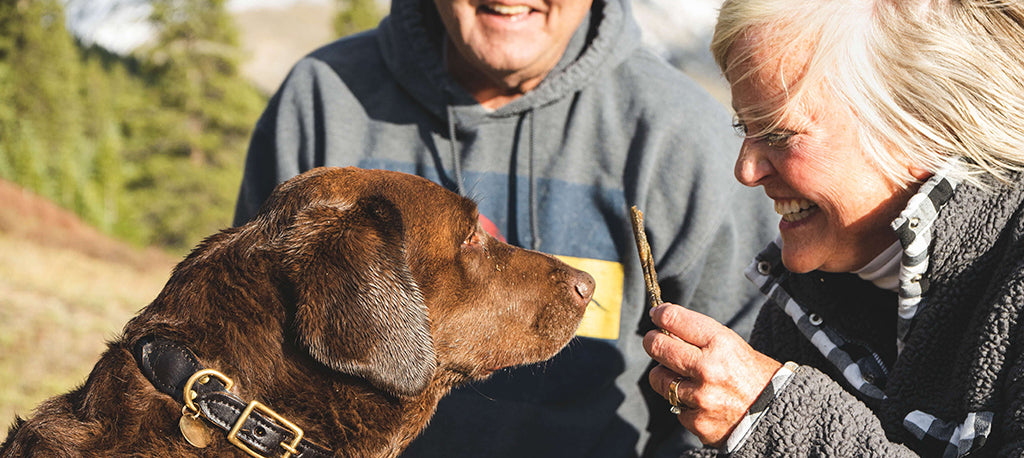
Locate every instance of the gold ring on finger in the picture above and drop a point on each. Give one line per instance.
(673, 395)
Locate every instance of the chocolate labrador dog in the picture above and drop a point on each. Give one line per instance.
(330, 325)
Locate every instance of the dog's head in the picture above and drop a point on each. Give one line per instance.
(395, 281)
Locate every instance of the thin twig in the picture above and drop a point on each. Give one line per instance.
(646, 259)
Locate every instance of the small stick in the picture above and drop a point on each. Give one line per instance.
(646, 259)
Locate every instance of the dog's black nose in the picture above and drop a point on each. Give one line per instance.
(584, 285)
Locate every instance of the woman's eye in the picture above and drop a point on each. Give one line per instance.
(739, 127)
(778, 139)
(774, 139)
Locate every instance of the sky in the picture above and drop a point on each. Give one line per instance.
(120, 25)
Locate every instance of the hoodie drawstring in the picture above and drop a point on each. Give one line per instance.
(454, 151)
(535, 240)
(534, 220)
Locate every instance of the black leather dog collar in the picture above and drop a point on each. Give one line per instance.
(252, 426)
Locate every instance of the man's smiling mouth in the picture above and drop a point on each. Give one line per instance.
(506, 10)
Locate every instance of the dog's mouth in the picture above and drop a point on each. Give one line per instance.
(487, 373)
(466, 374)
(496, 365)
(497, 368)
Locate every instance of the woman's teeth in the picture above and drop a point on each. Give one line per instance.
(794, 209)
(508, 10)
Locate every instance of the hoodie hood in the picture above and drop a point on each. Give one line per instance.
(411, 39)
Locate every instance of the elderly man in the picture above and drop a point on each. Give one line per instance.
(554, 118)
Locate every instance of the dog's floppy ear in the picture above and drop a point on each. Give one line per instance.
(358, 307)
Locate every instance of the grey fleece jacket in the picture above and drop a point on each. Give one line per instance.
(956, 388)
(556, 170)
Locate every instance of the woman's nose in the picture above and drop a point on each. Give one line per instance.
(752, 165)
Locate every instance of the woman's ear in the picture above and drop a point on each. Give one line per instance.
(919, 173)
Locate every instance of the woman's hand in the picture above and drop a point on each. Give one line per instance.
(721, 374)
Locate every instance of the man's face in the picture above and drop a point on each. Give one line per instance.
(512, 43)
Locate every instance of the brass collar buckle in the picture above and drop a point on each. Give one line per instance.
(203, 377)
(209, 405)
(256, 405)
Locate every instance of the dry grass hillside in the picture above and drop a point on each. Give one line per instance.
(65, 289)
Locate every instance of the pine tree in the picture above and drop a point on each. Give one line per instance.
(197, 55)
(22, 143)
(8, 115)
(148, 146)
(102, 195)
(355, 16)
(195, 61)
(42, 76)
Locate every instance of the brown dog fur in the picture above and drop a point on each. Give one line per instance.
(289, 306)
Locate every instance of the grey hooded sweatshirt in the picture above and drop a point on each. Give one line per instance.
(556, 170)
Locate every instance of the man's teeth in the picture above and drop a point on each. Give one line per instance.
(794, 209)
(509, 10)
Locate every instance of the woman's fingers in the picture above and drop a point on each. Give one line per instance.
(710, 372)
(665, 381)
(696, 328)
(679, 355)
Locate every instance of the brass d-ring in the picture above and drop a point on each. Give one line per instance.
(203, 377)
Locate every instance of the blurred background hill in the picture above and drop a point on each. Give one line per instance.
(275, 33)
(123, 129)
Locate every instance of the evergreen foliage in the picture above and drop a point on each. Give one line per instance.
(355, 16)
(148, 148)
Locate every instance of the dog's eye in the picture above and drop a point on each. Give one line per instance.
(475, 238)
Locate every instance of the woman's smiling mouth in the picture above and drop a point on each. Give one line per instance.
(793, 210)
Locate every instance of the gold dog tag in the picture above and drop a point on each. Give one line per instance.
(195, 431)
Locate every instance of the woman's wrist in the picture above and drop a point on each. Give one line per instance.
(757, 410)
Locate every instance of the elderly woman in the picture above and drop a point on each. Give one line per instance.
(890, 134)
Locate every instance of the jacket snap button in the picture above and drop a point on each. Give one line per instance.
(814, 319)
(764, 267)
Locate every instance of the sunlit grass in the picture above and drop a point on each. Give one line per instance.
(58, 308)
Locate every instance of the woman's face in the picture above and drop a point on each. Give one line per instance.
(835, 205)
(512, 41)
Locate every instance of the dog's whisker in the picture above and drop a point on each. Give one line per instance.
(474, 387)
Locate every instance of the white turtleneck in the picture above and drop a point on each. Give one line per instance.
(884, 270)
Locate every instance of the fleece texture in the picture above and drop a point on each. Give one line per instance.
(957, 385)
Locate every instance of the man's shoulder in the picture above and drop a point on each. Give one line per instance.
(351, 65)
(658, 87)
(646, 68)
(358, 52)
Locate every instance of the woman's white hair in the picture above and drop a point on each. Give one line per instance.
(938, 84)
